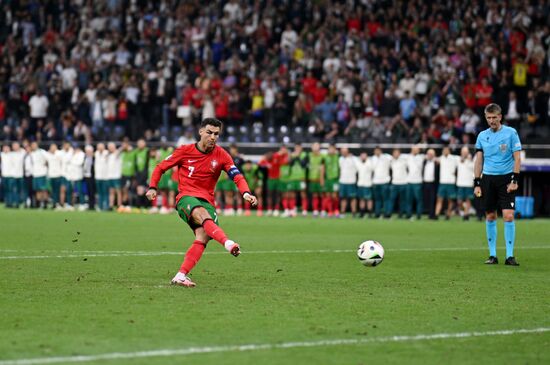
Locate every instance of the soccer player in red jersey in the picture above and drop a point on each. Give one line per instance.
(273, 161)
(199, 167)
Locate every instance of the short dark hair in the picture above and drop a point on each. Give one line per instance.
(493, 108)
(211, 121)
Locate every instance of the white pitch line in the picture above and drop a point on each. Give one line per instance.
(266, 346)
(81, 254)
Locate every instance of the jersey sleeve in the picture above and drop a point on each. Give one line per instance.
(515, 142)
(478, 143)
(233, 172)
(166, 164)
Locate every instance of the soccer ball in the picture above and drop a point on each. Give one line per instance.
(370, 253)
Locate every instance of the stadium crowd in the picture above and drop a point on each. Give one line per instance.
(417, 71)
(286, 182)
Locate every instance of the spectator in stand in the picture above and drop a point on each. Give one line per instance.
(38, 106)
(512, 111)
(470, 122)
(484, 95)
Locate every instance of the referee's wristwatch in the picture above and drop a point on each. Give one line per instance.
(514, 177)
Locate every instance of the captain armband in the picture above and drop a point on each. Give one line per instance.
(233, 171)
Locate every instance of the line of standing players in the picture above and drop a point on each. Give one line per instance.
(331, 183)
(287, 182)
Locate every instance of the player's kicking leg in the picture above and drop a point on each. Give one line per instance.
(194, 254)
(201, 216)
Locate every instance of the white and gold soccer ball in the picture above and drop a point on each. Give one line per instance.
(370, 253)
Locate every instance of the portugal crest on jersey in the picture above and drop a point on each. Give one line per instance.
(213, 165)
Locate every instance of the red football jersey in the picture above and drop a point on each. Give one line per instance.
(274, 165)
(198, 172)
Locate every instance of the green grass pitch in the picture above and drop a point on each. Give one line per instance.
(95, 285)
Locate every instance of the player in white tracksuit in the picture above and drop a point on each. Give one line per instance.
(365, 170)
(75, 176)
(465, 182)
(100, 174)
(415, 164)
(381, 181)
(54, 157)
(398, 188)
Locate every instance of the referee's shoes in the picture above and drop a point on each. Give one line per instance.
(492, 260)
(511, 261)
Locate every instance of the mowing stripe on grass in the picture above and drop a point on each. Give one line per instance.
(266, 346)
(80, 254)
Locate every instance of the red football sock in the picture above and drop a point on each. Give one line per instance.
(164, 200)
(214, 231)
(335, 204)
(284, 202)
(192, 256)
(292, 203)
(154, 202)
(260, 207)
(327, 203)
(246, 205)
(315, 203)
(304, 205)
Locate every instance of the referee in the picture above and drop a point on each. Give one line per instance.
(496, 173)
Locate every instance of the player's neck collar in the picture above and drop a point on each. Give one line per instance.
(201, 151)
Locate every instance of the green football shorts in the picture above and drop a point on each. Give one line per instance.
(186, 205)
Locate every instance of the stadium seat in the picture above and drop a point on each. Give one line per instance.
(176, 132)
(163, 131)
(118, 132)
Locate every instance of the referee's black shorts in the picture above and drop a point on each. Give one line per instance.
(494, 194)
